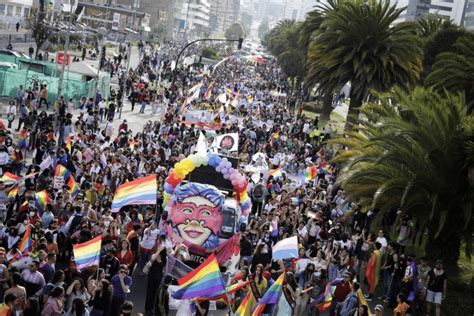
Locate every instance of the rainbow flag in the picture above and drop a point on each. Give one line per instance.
(87, 254)
(68, 143)
(14, 191)
(42, 199)
(26, 244)
(138, 192)
(208, 93)
(243, 306)
(10, 178)
(323, 302)
(61, 171)
(204, 281)
(73, 187)
(276, 173)
(229, 290)
(4, 310)
(271, 296)
(23, 139)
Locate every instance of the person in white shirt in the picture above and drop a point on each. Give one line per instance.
(382, 240)
(147, 244)
(11, 113)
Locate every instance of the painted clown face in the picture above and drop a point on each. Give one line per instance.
(196, 218)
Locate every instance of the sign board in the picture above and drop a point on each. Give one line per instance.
(227, 142)
(115, 21)
(58, 182)
(61, 58)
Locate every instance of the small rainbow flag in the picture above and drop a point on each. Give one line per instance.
(138, 192)
(26, 244)
(42, 199)
(229, 290)
(271, 296)
(206, 280)
(61, 171)
(276, 173)
(208, 93)
(68, 143)
(14, 191)
(87, 254)
(23, 139)
(243, 306)
(4, 310)
(10, 178)
(73, 187)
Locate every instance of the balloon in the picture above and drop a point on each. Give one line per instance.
(226, 176)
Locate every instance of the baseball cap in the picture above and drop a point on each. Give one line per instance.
(379, 308)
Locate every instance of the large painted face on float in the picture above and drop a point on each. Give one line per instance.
(196, 213)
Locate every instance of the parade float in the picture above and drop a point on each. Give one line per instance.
(206, 207)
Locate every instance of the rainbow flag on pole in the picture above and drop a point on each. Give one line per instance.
(138, 192)
(10, 178)
(14, 191)
(206, 280)
(68, 143)
(73, 187)
(42, 199)
(243, 306)
(61, 171)
(271, 296)
(26, 244)
(4, 310)
(276, 173)
(87, 254)
(23, 139)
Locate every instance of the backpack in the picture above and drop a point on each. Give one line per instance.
(258, 191)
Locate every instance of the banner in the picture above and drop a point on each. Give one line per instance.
(61, 58)
(227, 142)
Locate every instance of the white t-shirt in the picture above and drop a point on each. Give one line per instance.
(149, 238)
(383, 242)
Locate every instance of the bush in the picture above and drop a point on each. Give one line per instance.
(208, 52)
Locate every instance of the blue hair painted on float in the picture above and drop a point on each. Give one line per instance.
(206, 191)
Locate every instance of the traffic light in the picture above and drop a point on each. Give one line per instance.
(240, 43)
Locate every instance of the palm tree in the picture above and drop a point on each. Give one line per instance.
(454, 70)
(417, 155)
(282, 42)
(308, 30)
(429, 25)
(358, 43)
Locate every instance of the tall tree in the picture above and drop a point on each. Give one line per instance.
(410, 152)
(235, 31)
(263, 28)
(39, 30)
(359, 43)
(454, 70)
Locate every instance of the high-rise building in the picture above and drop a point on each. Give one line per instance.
(161, 13)
(417, 9)
(192, 17)
(468, 15)
(223, 14)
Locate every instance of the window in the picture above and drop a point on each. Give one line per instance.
(26, 12)
(18, 11)
(9, 10)
(2, 8)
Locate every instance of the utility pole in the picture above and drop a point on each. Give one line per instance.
(66, 48)
(125, 77)
(63, 64)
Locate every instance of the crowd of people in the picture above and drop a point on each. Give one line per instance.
(338, 240)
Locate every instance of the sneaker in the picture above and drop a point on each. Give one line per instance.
(381, 297)
(368, 297)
